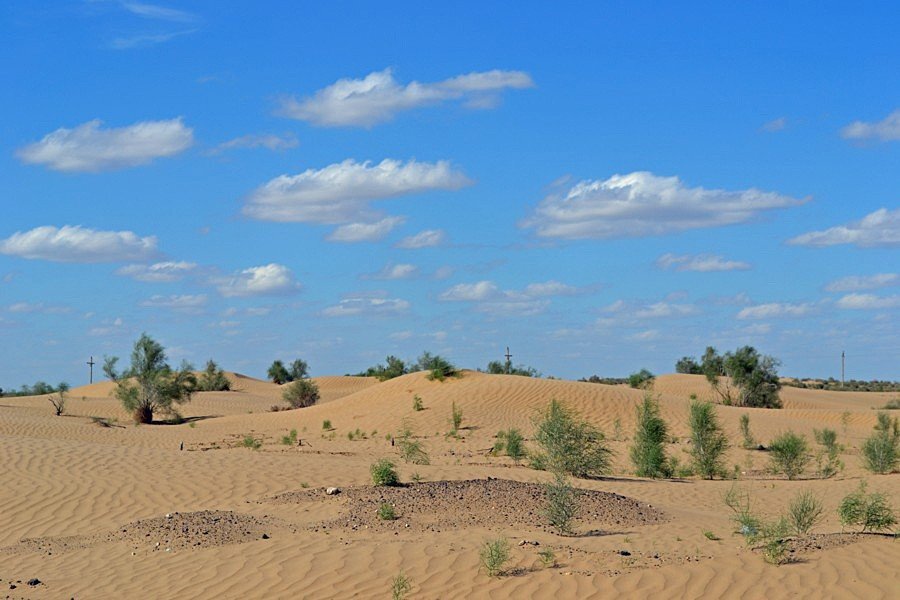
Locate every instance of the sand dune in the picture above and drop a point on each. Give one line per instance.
(70, 476)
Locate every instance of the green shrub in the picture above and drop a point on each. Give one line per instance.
(438, 367)
(386, 512)
(384, 472)
(871, 512)
(804, 512)
(494, 555)
(561, 504)
(892, 404)
(774, 536)
(648, 453)
(750, 379)
(290, 439)
(790, 454)
(748, 442)
(547, 557)
(711, 536)
(456, 418)
(643, 379)
(400, 586)
(881, 451)
(301, 393)
(393, 367)
(569, 443)
(251, 442)
(417, 403)
(511, 443)
(708, 441)
(411, 450)
(738, 501)
(326, 425)
(828, 460)
(213, 379)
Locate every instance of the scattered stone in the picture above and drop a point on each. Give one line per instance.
(332, 491)
(265, 536)
(624, 552)
(34, 581)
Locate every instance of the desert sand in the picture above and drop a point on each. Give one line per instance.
(96, 507)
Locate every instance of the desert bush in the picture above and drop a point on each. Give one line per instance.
(400, 586)
(301, 393)
(495, 367)
(438, 367)
(871, 512)
(386, 512)
(749, 442)
(411, 450)
(290, 439)
(570, 444)
(790, 454)
(213, 379)
(547, 557)
(417, 403)
(743, 377)
(326, 425)
(828, 460)
(773, 536)
(881, 451)
(59, 400)
(299, 370)
(456, 417)
(708, 441)
(804, 512)
(688, 365)
(643, 379)
(393, 367)
(648, 454)
(251, 442)
(494, 555)
(278, 373)
(384, 472)
(738, 501)
(150, 384)
(511, 443)
(892, 404)
(560, 504)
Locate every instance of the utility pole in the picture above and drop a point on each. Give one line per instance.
(91, 364)
(508, 361)
(842, 368)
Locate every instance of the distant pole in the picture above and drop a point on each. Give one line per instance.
(842, 368)
(508, 361)
(91, 364)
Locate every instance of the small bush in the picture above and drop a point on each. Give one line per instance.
(790, 454)
(290, 439)
(711, 536)
(804, 512)
(738, 501)
(510, 442)
(748, 442)
(251, 442)
(456, 417)
(643, 379)
(547, 557)
(213, 379)
(828, 461)
(494, 555)
(59, 401)
(774, 539)
(400, 586)
(384, 472)
(648, 453)
(326, 425)
(386, 512)
(412, 451)
(301, 393)
(570, 444)
(438, 367)
(561, 504)
(881, 451)
(417, 403)
(892, 404)
(871, 512)
(708, 441)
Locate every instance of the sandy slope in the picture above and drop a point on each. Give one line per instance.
(68, 476)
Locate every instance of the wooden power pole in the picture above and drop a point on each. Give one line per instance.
(91, 364)
(508, 361)
(842, 368)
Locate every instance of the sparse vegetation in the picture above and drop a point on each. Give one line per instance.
(828, 461)
(417, 403)
(881, 451)
(710, 536)
(456, 418)
(40, 388)
(561, 504)
(708, 441)
(280, 374)
(384, 473)
(871, 512)
(290, 439)
(688, 365)
(892, 404)
(851, 385)
(393, 367)
(604, 380)
(511, 443)
(494, 555)
(790, 454)
(569, 444)
(547, 557)
(438, 367)
(773, 536)
(400, 586)
(213, 379)
(411, 450)
(743, 377)
(150, 384)
(641, 380)
(59, 400)
(804, 512)
(251, 442)
(738, 501)
(648, 454)
(386, 512)
(301, 393)
(749, 441)
(495, 367)
(326, 425)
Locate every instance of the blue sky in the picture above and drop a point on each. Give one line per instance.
(601, 187)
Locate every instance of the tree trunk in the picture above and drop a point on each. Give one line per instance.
(143, 414)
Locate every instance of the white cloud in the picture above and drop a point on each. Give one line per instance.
(88, 148)
(643, 204)
(76, 244)
(700, 262)
(888, 129)
(153, 11)
(775, 125)
(161, 272)
(664, 309)
(773, 310)
(340, 193)
(350, 307)
(378, 97)
(855, 283)
(868, 301)
(39, 307)
(365, 232)
(470, 292)
(645, 336)
(268, 141)
(183, 303)
(488, 298)
(549, 288)
(880, 228)
(140, 41)
(266, 280)
(424, 239)
(393, 272)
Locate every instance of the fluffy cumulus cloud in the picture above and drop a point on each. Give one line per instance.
(428, 238)
(184, 303)
(700, 262)
(161, 272)
(267, 280)
(774, 310)
(76, 244)
(644, 204)
(275, 143)
(489, 298)
(888, 129)
(378, 97)
(855, 283)
(365, 232)
(880, 228)
(868, 301)
(92, 148)
(341, 192)
(351, 307)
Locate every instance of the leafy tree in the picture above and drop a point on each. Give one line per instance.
(569, 443)
(301, 393)
(150, 384)
(708, 441)
(743, 377)
(881, 451)
(688, 365)
(437, 366)
(495, 367)
(299, 370)
(278, 373)
(643, 379)
(109, 367)
(213, 379)
(648, 454)
(393, 367)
